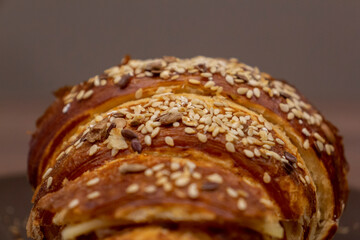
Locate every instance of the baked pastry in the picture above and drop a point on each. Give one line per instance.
(196, 148)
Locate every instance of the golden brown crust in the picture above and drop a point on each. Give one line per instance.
(63, 157)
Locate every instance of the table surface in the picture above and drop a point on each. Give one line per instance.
(15, 206)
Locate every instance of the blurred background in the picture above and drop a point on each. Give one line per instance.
(44, 45)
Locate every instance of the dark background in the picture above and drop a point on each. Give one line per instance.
(44, 45)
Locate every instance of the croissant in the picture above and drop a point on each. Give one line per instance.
(189, 149)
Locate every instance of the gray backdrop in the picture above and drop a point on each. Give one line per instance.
(47, 44)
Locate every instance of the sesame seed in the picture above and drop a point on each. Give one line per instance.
(97, 82)
(80, 95)
(165, 74)
(148, 74)
(229, 79)
(297, 113)
(279, 141)
(148, 172)
(266, 178)
(189, 130)
(163, 172)
(275, 155)
(48, 171)
(158, 167)
(174, 166)
(93, 149)
(229, 137)
(176, 175)
(248, 153)
(49, 182)
(132, 188)
(299, 164)
(60, 155)
(268, 126)
(193, 191)
(216, 178)
(174, 77)
(261, 118)
(155, 132)
(208, 120)
(218, 104)
(131, 168)
(231, 192)
(66, 108)
(320, 145)
(284, 107)
(202, 137)
(318, 137)
(73, 203)
(249, 94)
(216, 132)
(114, 151)
(176, 124)
(257, 152)
(194, 81)
(150, 189)
(242, 90)
(266, 146)
(307, 179)
(88, 94)
(161, 180)
(182, 181)
(266, 202)
(93, 195)
(167, 187)
(306, 132)
(93, 181)
(196, 175)
(147, 140)
(290, 116)
(169, 141)
(328, 149)
(306, 144)
(139, 93)
(302, 179)
(206, 74)
(116, 80)
(67, 151)
(241, 204)
(209, 84)
(191, 166)
(257, 92)
(230, 147)
(156, 104)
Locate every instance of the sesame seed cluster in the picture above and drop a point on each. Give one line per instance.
(203, 118)
(248, 82)
(178, 177)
